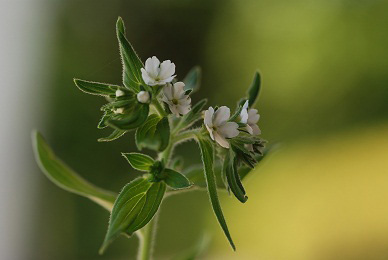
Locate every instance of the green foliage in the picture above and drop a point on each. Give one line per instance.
(96, 88)
(254, 89)
(193, 116)
(113, 136)
(140, 162)
(154, 134)
(193, 79)
(135, 206)
(60, 174)
(175, 179)
(207, 155)
(132, 64)
(233, 179)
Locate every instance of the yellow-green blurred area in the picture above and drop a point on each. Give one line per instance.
(321, 195)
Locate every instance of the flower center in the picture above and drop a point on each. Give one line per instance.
(174, 101)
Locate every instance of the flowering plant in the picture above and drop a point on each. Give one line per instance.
(153, 103)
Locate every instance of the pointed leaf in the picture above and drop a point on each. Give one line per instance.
(133, 117)
(254, 89)
(135, 206)
(113, 136)
(96, 88)
(175, 179)
(232, 177)
(139, 161)
(207, 155)
(60, 174)
(193, 79)
(132, 64)
(154, 134)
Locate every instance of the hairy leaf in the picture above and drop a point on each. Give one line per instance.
(138, 161)
(193, 79)
(254, 89)
(95, 88)
(232, 176)
(132, 64)
(190, 118)
(207, 155)
(135, 206)
(60, 174)
(113, 136)
(154, 134)
(134, 116)
(175, 179)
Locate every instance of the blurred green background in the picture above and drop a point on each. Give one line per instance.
(324, 99)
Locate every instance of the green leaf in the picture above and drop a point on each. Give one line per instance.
(95, 88)
(113, 136)
(153, 134)
(175, 179)
(193, 79)
(177, 163)
(207, 155)
(60, 174)
(135, 206)
(254, 89)
(139, 161)
(190, 118)
(134, 116)
(232, 177)
(132, 64)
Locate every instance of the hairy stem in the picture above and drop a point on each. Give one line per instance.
(159, 108)
(146, 240)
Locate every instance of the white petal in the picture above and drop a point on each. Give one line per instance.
(185, 101)
(209, 118)
(229, 130)
(179, 90)
(152, 67)
(167, 69)
(146, 78)
(168, 80)
(249, 129)
(244, 113)
(210, 132)
(220, 140)
(173, 109)
(253, 116)
(255, 130)
(168, 92)
(183, 109)
(221, 115)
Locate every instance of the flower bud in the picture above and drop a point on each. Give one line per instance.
(119, 111)
(143, 97)
(119, 93)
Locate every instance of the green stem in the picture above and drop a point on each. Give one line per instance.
(146, 240)
(159, 108)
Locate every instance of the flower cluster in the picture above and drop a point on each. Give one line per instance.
(156, 73)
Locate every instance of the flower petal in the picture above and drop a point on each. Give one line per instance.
(229, 130)
(167, 69)
(208, 120)
(221, 115)
(146, 77)
(152, 67)
(183, 109)
(249, 129)
(168, 91)
(253, 116)
(221, 140)
(255, 129)
(179, 90)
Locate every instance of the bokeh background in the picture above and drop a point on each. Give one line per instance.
(322, 195)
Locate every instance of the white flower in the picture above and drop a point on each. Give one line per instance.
(143, 97)
(244, 113)
(218, 126)
(174, 96)
(119, 93)
(251, 121)
(156, 73)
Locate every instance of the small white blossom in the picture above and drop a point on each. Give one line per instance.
(250, 117)
(174, 96)
(119, 111)
(143, 97)
(156, 73)
(218, 126)
(119, 93)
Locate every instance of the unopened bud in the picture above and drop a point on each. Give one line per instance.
(119, 93)
(143, 97)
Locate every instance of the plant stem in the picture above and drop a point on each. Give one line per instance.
(146, 240)
(159, 108)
